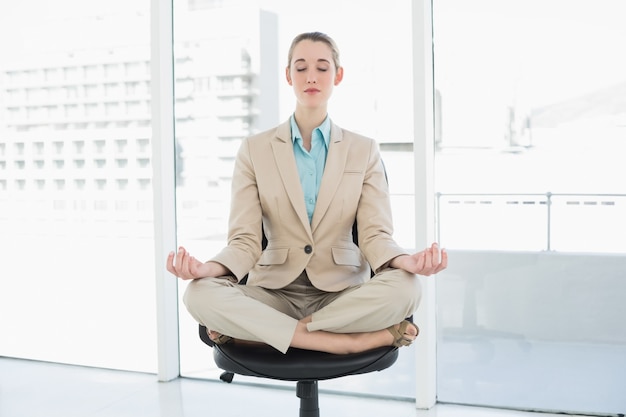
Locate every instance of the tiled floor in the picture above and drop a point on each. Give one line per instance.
(36, 389)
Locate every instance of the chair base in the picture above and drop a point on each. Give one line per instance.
(308, 394)
(227, 377)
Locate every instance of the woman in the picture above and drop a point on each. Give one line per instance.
(303, 185)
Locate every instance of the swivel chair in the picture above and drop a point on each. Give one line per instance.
(306, 367)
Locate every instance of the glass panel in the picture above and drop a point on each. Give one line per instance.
(532, 331)
(524, 111)
(230, 60)
(77, 240)
(530, 117)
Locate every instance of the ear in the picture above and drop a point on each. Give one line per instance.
(288, 76)
(339, 75)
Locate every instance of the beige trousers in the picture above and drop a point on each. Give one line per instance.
(270, 316)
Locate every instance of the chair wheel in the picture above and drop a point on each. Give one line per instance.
(227, 377)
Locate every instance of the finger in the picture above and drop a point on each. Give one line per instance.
(169, 263)
(181, 263)
(436, 254)
(179, 258)
(184, 266)
(428, 260)
(421, 261)
(444, 261)
(193, 266)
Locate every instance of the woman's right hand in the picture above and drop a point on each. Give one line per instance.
(185, 266)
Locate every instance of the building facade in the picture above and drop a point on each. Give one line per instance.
(75, 125)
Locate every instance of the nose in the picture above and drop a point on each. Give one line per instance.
(311, 80)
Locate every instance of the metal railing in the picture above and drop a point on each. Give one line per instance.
(606, 211)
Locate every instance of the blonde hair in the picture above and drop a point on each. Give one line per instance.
(315, 37)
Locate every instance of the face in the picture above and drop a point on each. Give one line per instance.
(312, 73)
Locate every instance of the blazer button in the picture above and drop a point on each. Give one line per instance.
(308, 249)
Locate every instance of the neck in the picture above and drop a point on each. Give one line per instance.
(309, 119)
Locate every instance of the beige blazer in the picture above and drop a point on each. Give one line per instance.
(267, 195)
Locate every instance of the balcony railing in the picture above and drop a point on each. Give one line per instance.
(531, 222)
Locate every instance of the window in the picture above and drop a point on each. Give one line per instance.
(71, 111)
(52, 74)
(78, 146)
(144, 184)
(70, 74)
(58, 147)
(112, 71)
(530, 115)
(134, 69)
(101, 185)
(120, 145)
(19, 148)
(46, 120)
(122, 184)
(112, 109)
(91, 72)
(92, 91)
(38, 148)
(99, 146)
(516, 130)
(142, 145)
(71, 92)
(111, 90)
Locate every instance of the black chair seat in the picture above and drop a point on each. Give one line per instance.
(264, 361)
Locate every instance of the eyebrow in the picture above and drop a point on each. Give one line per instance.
(319, 60)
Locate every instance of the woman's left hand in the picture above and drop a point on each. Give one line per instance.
(427, 262)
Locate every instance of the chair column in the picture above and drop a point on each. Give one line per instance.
(308, 394)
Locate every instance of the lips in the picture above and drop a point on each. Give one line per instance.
(311, 90)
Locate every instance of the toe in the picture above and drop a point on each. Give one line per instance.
(411, 331)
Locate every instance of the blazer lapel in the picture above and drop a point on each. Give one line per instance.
(285, 160)
(335, 165)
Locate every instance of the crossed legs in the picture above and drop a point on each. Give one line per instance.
(355, 320)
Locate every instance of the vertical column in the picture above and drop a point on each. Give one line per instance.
(164, 187)
(423, 84)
